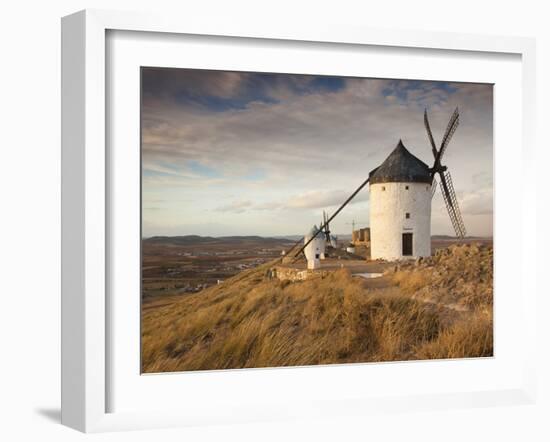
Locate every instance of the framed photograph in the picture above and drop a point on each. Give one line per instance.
(251, 213)
(238, 167)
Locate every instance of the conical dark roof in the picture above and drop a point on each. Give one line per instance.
(401, 166)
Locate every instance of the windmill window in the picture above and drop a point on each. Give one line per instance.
(407, 215)
(383, 188)
(406, 187)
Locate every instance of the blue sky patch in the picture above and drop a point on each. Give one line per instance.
(418, 91)
(202, 170)
(328, 84)
(260, 88)
(255, 175)
(221, 104)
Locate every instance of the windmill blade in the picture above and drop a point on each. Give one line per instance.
(434, 186)
(327, 227)
(289, 251)
(451, 128)
(430, 136)
(451, 203)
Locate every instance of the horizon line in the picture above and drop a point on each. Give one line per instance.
(288, 235)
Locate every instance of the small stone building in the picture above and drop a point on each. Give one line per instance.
(361, 236)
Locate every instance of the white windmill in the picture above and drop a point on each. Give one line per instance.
(400, 207)
(401, 191)
(314, 248)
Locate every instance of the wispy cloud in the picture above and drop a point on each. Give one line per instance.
(298, 143)
(317, 199)
(235, 207)
(479, 202)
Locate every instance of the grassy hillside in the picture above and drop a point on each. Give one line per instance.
(458, 281)
(251, 321)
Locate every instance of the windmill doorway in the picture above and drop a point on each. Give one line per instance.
(407, 244)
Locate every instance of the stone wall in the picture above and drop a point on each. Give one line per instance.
(294, 274)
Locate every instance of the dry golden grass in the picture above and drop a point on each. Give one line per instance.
(469, 337)
(276, 324)
(250, 321)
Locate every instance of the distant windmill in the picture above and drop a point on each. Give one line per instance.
(445, 180)
(314, 248)
(330, 240)
(326, 227)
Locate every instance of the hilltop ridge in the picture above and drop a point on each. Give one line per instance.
(197, 239)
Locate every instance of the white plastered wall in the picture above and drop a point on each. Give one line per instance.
(389, 203)
(314, 248)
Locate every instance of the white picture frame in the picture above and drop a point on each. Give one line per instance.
(86, 206)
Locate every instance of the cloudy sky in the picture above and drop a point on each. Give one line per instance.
(234, 153)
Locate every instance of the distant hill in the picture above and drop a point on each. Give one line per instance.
(189, 240)
(451, 237)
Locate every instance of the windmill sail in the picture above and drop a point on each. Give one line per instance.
(430, 136)
(445, 180)
(327, 228)
(451, 203)
(451, 128)
(291, 249)
(434, 187)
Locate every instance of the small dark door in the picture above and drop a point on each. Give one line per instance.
(407, 244)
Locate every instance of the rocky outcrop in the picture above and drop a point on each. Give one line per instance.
(295, 274)
(459, 277)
